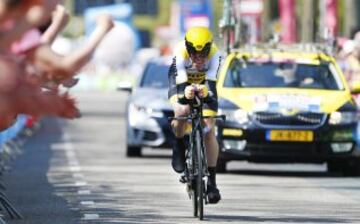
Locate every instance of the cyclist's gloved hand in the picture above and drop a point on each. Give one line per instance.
(189, 92)
(203, 91)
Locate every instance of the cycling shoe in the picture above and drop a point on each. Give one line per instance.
(213, 194)
(178, 156)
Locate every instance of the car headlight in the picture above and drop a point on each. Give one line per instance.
(142, 117)
(145, 111)
(154, 113)
(343, 117)
(238, 115)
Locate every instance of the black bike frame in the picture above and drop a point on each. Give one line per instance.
(196, 124)
(197, 159)
(196, 170)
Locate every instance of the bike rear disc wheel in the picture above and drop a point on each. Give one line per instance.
(195, 200)
(199, 179)
(192, 182)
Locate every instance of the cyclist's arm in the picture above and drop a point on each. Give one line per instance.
(212, 95)
(181, 93)
(211, 77)
(181, 81)
(175, 88)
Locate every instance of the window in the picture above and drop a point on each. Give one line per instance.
(155, 76)
(140, 7)
(271, 74)
(144, 7)
(81, 5)
(145, 38)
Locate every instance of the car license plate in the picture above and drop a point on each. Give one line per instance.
(290, 135)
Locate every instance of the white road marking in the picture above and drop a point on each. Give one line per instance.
(84, 192)
(70, 154)
(80, 183)
(57, 146)
(68, 146)
(91, 216)
(87, 203)
(75, 168)
(73, 163)
(78, 175)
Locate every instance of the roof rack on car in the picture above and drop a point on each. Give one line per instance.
(298, 47)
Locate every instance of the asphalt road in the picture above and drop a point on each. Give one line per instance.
(76, 172)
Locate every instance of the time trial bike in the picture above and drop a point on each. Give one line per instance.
(196, 170)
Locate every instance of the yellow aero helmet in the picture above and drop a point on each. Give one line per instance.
(198, 40)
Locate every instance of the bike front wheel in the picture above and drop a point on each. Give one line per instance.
(194, 197)
(199, 179)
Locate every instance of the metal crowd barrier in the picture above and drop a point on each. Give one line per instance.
(11, 141)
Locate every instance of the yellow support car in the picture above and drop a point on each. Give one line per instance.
(287, 104)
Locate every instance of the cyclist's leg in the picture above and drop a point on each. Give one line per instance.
(211, 144)
(179, 127)
(212, 151)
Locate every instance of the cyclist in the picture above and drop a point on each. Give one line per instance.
(195, 66)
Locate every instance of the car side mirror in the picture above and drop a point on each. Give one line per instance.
(355, 87)
(125, 86)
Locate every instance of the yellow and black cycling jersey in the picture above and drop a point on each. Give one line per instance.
(183, 73)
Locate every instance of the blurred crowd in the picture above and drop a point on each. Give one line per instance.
(34, 79)
(348, 58)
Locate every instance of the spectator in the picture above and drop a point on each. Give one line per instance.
(353, 60)
(17, 17)
(343, 58)
(20, 91)
(56, 68)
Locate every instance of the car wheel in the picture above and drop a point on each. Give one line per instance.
(335, 167)
(133, 151)
(221, 166)
(351, 168)
(347, 168)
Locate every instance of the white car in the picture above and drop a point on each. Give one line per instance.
(148, 109)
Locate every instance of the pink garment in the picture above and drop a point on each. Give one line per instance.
(331, 19)
(288, 22)
(28, 41)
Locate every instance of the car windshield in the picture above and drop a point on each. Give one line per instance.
(155, 76)
(282, 74)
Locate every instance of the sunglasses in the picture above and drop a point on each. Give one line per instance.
(192, 51)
